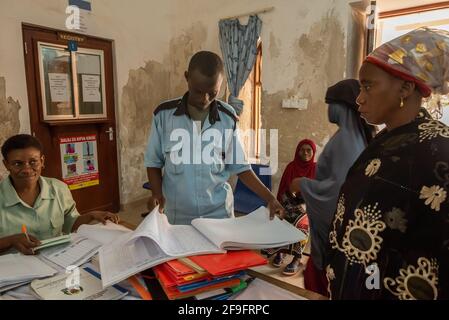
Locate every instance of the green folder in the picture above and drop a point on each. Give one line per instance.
(53, 242)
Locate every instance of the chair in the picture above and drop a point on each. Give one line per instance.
(246, 201)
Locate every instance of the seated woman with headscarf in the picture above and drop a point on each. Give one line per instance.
(390, 234)
(303, 165)
(321, 194)
(44, 205)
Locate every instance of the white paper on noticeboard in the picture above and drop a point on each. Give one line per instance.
(59, 87)
(91, 88)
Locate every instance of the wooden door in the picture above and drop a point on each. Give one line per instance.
(71, 101)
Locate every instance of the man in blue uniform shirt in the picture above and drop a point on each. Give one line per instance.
(194, 141)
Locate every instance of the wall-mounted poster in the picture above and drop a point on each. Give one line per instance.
(79, 161)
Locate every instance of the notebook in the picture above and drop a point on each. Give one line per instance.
(253, 231)
(53, 242)
(84, 244)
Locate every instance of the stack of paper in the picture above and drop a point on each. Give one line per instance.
(17, 269)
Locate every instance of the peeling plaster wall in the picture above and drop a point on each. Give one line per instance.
(304, 52)
(9, 119)
(146, 88)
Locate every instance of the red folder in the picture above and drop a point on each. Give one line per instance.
(164, 277)
(173, 293)
(179, 268)
(169, 279)
(232, 261)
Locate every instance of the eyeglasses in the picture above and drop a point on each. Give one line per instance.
(20, 165)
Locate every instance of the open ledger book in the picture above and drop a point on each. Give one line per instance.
(84, 244)
(156, 241)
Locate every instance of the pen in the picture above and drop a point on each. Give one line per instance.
(24, 230)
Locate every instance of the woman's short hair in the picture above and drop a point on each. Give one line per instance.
(20, 141)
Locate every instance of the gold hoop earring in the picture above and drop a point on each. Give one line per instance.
(402, 103)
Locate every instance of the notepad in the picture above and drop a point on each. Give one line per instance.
(53, 242)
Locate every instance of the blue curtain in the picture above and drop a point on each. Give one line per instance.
(239, 47)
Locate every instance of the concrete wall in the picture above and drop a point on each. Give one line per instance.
(304, 46)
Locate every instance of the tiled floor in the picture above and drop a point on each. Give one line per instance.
(296, 280)
(132, 215)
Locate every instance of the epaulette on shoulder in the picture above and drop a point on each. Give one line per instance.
(167, 105)
(228, 112)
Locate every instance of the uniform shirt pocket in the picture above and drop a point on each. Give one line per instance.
(57, 222)
(174, 162)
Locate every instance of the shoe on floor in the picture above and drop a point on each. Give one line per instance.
(278, 260)
(292, 268)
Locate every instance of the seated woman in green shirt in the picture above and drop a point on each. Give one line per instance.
(44, 205)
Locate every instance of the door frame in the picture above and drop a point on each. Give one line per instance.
(35, 106)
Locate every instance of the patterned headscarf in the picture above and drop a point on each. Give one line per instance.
(420, 56)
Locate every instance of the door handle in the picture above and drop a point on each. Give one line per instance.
(111, 133)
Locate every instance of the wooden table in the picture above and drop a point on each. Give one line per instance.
(309, 295)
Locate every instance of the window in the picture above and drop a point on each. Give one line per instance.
(72, 83)
(250, 119)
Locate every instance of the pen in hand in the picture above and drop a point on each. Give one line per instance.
(24, 230)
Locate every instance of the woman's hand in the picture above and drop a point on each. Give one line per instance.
(103, 216)
(22, 244)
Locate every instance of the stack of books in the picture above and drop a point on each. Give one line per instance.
(215, 277)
